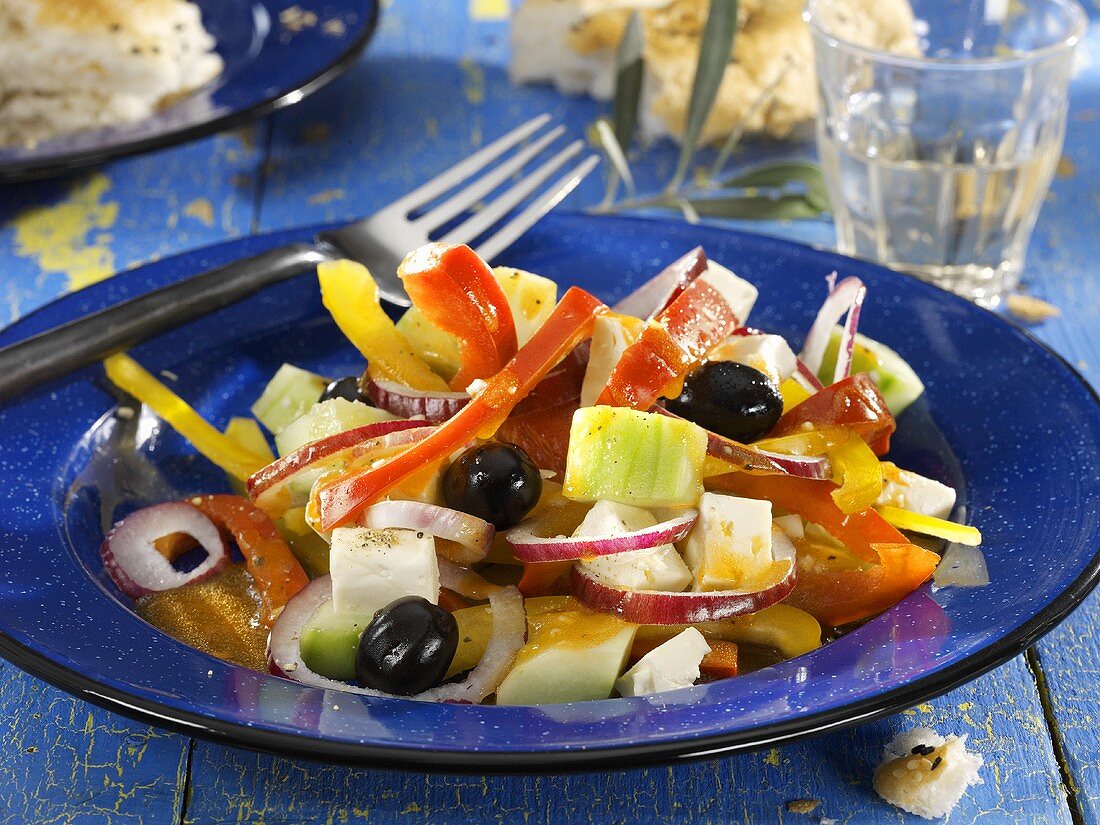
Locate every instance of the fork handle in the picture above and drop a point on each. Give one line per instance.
(61, 350)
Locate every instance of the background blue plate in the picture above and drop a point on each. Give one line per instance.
(267, 66)
(1018, 432)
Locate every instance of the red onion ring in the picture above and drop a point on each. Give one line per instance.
(845, 297)
(474, 535)
(436, 407)
(667, 607)
(665, 287)
(284, 647)
(133, 562)
(734, 453)
(531, 547)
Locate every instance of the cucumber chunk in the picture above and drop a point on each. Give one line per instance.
(327, 418)
(644, 459)
(329, 640)
(289, 393)
(899, 384)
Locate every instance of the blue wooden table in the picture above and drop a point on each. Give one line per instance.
(432, 87)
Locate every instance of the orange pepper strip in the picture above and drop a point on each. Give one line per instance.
(813, 500)
(339, 501)
(670, 347)
(721, 662)
(838, 597)
(841, 596)
(457, 292)
(276, 572)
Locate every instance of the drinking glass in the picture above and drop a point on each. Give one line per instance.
(938, 160)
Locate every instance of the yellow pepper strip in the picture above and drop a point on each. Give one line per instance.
(858, 472)
(351, 297)
(931, 526)
(127, 374)
(793, 393)
(246, 433)
(810, 442)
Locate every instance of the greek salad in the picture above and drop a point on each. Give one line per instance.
(528, 498)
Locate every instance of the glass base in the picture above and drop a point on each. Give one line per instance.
(984, 285)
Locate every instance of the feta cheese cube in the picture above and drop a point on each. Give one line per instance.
(771, 354)
(611, 335)
(738, 293)
(912, 491)
(672, 665)
(655, 568)
(370, 568)
(730, 546)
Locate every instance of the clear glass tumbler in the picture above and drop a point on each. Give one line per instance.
(938, 160)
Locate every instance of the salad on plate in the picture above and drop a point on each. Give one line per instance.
(529, 499)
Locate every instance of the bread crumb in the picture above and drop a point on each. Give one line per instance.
(803, 806)
(1029, 309)
(926, 774)
(295, 19)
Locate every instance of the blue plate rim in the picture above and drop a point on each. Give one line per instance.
(55, 165)
(319, 749)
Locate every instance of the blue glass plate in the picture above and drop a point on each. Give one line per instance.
(267, 66)
(1004, 419)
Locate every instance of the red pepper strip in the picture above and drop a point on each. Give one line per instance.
(571, 322)
(841, 596)
(276, 572)
(541, 578)
(670, 347)
(540, 423)
(813, 500)
(853, 402)
(457, 292)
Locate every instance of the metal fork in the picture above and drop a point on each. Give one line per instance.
(379, 241)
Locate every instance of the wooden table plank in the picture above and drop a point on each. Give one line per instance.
(63, 234)
(1003, 721)
(63, 760)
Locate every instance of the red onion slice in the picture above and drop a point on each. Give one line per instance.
(845, 297)
(265, 486)
(529, 546)
(474, 535)
(737, 455)
(806, 377)
(133, 562)
(406, 402)
(665, 287)
(284, 647)
(464, 581)
(666, 607)
(314, 452)
(802, 466)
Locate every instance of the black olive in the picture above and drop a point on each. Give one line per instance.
(407, 647)
(730, 399)
(346, 388)
(495, 482)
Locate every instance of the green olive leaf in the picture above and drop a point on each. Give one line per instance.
(614, 151)
(715, 50)
(629, 70)
(757, 207)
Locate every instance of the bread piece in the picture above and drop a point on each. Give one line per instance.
(925, 773)
(67, 65)
(572, 43)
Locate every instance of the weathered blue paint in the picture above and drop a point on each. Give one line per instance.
(431, 88)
